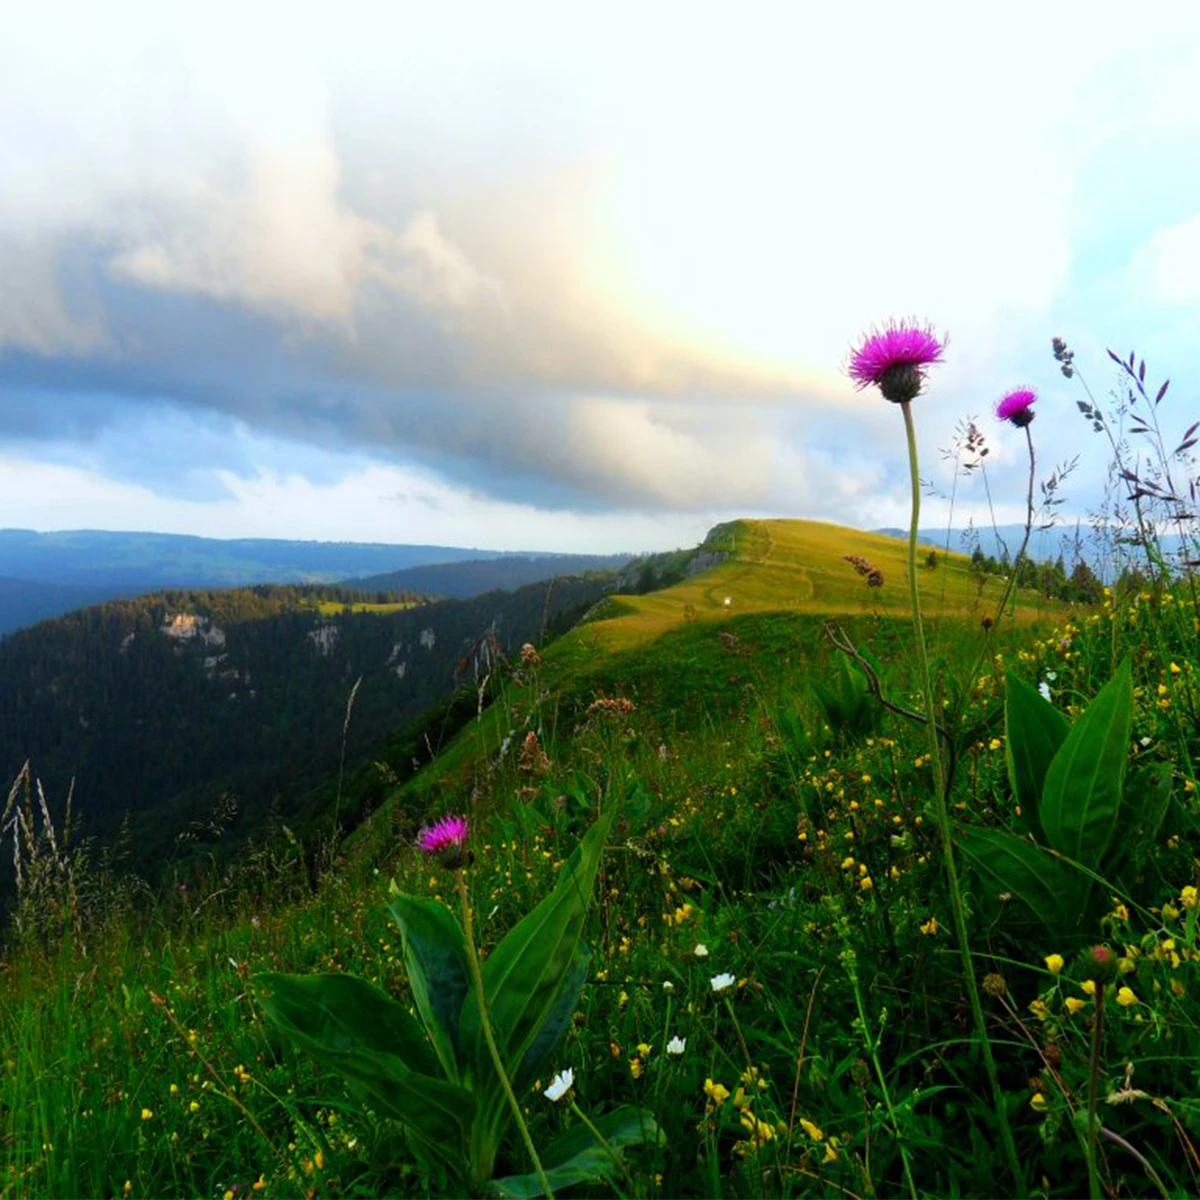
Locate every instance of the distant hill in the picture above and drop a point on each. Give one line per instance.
(46, 574)
(462, 580)
(159, 706)
(25, 602)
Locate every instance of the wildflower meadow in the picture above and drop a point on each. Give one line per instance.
(842, 867)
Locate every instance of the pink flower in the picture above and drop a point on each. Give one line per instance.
(1099, 964)
(445, 841)
(894, 359)
(1017, 407)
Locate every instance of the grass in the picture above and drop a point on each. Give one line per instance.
(793, 566)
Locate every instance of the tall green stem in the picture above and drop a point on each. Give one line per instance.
(1016, 566)
(943, 814)
(485, 1021)
(850, 962)
(1093, 1091)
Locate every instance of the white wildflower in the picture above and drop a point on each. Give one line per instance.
(721, 983)
(560, 1085)
(701, 950)
(1044, 688)
(677, 1046)
(668, 986)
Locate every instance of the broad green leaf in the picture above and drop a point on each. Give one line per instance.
(361, 1032)
(557, 1018)
(346, 1014)
(1034, 731)
(1055, 892)
(436, 957)
(1081, 798)
(577, 1157)
(523, 974)
(1144, 805)
(845, 699)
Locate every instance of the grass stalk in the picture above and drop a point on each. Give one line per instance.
(943, 816)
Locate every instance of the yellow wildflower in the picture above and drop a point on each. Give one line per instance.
(1038, 1102)
(718, 1093)
(1125, 997)
(930, 927)
(1074, 1004)
(812, 1130)
(1055, 963)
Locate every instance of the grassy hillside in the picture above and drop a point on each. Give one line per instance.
(796, 567)
(772, 587)
(772, 992)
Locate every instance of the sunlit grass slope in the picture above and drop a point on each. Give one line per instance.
(775, 586)
(796, 566)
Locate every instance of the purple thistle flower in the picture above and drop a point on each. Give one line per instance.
(1016, 407)
(894, 359)
(445, 841)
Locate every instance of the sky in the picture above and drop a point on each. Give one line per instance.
(573, 276)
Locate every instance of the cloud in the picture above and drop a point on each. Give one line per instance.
(1170, 263)
(580, 272)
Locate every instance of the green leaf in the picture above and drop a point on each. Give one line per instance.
(1034, 731)
(1144, 806)
(345, 1014)
(1081, 798)
(1055, 892)
(523, 974)
(362, 1033)
(436, 957)
(845, 699)
(557, 1018)
(577, 1157)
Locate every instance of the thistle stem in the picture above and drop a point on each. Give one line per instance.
(1016, 565)
(1093, 1090)
(943, 815)
(486, 1022)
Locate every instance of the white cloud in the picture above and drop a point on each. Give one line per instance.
(1170, 263)
(605, 258)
